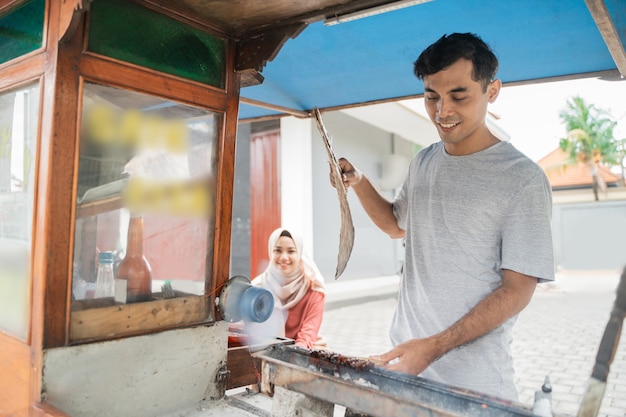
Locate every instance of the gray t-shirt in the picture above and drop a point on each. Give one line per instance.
(467, 218)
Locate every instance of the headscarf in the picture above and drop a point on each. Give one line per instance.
(288, 290)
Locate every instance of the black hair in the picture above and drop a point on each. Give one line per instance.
(450, 48)
(285, 233)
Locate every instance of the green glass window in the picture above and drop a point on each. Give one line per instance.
(126, 31)
(21, 30)
(18, 144)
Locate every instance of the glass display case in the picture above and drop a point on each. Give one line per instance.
(156, 159)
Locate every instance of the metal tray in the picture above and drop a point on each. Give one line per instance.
(363, 387)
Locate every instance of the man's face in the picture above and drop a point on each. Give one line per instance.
(457, 106)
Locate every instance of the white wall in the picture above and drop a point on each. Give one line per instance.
(374, 253)
(398, 118)
(296, 178)
(590, 236)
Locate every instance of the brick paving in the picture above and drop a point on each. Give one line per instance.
(557, 335)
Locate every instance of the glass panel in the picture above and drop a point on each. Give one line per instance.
(21, 30)
(149, 157)
(18, 144)
(128, 32)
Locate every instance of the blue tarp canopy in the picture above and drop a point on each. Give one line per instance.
(371, 59)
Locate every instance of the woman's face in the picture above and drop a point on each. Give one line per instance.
(285, 255)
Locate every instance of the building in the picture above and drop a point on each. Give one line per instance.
(588, 234)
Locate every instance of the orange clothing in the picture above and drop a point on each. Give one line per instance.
(305, 319)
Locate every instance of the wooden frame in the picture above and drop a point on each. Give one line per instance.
(130, 319)
(20, 361)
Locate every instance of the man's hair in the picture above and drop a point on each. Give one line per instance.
(450, 48)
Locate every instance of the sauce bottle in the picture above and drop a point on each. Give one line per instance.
(134, 268)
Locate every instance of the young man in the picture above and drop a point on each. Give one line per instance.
(475, 213)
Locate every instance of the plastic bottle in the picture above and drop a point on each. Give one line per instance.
(543, 400)
(135, 268)
(105, 280)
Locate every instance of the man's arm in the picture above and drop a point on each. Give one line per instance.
(506, 301)
(377, 207)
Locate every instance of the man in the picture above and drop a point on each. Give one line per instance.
(475, 214)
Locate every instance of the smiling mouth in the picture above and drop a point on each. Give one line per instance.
(448, 125)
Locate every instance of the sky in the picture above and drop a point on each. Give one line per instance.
(530, 113)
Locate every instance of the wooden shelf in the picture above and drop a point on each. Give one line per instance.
(93, 208)
(101, 199)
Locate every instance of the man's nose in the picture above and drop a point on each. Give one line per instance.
(444, 108)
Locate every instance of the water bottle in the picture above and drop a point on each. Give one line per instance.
(105, 280)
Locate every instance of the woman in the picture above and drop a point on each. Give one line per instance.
(298, 289)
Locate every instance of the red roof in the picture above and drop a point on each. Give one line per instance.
(562, 175)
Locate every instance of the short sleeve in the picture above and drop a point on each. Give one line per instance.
(527, 233)
(400, 203)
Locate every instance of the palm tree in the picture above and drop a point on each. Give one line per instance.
(621, 150)
(589, 138)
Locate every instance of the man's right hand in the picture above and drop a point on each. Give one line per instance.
(377, 207)
(350, 175)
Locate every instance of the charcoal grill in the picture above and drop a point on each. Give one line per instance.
(360, 386)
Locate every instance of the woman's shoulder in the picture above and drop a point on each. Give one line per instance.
(312, 296)
(315, 296)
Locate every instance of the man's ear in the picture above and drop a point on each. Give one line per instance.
(494, 89)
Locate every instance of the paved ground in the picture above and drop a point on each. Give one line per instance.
(557, 335)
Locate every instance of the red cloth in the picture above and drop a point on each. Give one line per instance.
(305, 319)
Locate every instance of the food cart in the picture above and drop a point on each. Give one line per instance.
(110, 110)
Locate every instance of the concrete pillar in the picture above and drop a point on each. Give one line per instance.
(293, 404)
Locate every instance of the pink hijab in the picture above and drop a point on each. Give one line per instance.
(288, 290)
